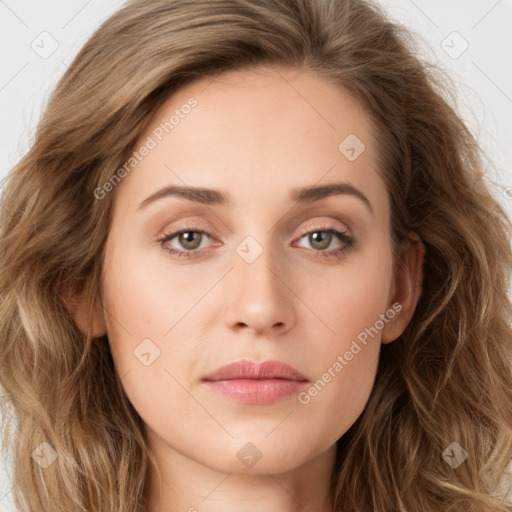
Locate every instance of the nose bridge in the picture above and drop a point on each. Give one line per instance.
(255, 267)
(259, 297)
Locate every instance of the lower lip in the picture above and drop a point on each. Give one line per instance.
(250, 391)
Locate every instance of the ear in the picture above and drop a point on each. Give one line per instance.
(88, 314)
(407, 285)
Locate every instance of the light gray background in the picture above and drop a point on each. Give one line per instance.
(29, 31)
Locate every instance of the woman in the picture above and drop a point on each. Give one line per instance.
(251, 263)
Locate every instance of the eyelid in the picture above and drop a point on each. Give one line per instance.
(323, 225)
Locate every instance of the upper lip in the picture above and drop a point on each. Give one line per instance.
(245, 369)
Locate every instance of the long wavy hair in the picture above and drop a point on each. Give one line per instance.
(447, 379)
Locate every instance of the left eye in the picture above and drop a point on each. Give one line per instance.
(324, 237)
(190, 240)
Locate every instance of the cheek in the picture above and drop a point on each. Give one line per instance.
(144, 298)
(149, 312)
(345, 368)
(350, 387)
(351, 299)
(352, 306)
(136, 312)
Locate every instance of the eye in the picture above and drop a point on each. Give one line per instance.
(189, 238)
(320, 237)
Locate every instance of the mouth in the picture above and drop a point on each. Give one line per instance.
(252, 383)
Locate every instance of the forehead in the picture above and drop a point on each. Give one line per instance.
(259, 131)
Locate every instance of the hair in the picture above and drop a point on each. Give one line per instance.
(447, 378)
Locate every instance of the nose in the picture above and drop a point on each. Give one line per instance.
(260, 297)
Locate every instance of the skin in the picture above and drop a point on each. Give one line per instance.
(257, 135)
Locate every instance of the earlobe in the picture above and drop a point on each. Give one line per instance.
(88, 315)
(408, 281)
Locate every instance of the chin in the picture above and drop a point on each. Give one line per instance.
(259, 457)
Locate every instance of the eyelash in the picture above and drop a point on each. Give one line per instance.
(335, 253)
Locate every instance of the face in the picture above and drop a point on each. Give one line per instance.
(262, 270)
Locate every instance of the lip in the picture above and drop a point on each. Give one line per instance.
(256, 383)
(246, 369)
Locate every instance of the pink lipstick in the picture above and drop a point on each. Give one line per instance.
(252, 383)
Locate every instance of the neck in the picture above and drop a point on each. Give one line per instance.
(188, 485)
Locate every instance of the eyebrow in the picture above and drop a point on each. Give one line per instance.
(213, 197)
